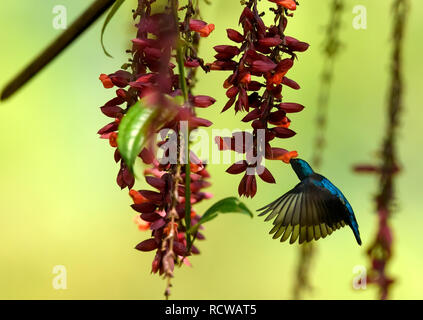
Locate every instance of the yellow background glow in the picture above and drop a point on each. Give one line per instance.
(60, 205)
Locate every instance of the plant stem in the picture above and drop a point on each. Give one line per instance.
(184, 88)
(188, 203)
(170, 255)
(181, 68)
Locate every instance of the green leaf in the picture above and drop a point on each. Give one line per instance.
(133, 132)
(227, 205)
(109, 17)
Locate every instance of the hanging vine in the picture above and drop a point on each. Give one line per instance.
(380, 251)
(331, 48)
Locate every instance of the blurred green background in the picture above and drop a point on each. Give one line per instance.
(60, 205)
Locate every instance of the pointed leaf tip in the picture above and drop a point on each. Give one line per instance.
(227, 205)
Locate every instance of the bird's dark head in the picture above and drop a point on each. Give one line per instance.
(301, 168)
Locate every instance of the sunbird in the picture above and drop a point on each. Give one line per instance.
(313, 209)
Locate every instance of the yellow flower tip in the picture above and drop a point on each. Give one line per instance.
(137, 197)
(141, 224)
(288, 156)
(107, 82)
(193, 214)
(205, 32)
(113, 139)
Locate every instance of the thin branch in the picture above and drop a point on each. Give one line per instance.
(82, 23)
(185, 92)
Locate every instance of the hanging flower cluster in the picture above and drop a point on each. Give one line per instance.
(150, 74)
(255, 86)
(157, 208)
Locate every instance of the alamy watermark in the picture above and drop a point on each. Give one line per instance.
(246, 145)
(360, 20)
(60, 280)
(360, 279)
(60, 20)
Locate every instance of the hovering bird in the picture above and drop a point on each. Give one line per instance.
(313, 209)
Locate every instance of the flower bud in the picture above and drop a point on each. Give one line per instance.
(270, 42)
(234, 35)
(291, 107)
(296, 45)
(263, 66)
(203, 101)
(232, 92)
(147, 245)
(283, 132)
(288, 4)
(107, 82)
(201, 27)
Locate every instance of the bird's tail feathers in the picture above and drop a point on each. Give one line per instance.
(354, 227)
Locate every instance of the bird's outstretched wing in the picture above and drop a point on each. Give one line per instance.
(306, 212)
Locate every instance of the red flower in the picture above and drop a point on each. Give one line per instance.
(270, 42)
(260, 49)
(137, 197)
(141, 224)
(248, 186)
(147, 245)
(201, 27)
(290, 107)
(191, 63)
(113, 139)
(153, 75)
(107, 82)
(235, 35)
(203, 101)
(288, 4)
(288, 156)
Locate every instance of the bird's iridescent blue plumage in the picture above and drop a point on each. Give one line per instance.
(311, 210)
